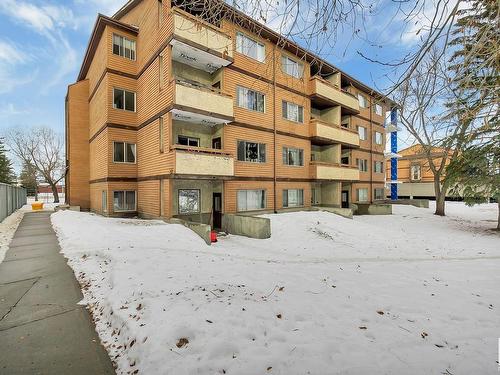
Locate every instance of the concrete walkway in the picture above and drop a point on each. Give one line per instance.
(42, 329)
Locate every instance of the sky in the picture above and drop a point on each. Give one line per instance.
(42, 43)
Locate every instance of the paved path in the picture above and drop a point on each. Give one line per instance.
(42, 329)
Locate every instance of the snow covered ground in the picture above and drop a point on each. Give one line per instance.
(410, 293)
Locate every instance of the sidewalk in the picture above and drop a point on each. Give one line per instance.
(42, 329)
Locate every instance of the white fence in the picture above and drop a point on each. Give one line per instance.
(11, 198)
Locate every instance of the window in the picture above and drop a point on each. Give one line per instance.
(293, 156)
(123, 47)
(362, 195)
(378, 166)
(415, 173)
(291, 67)
(362, 133)
(293, 112)
(123, 99)
(377, 108)
(250, 47)
(378, 193)
(252, 152)
(189, 201)
(362, 165)
(123, 152)
(188, 141)
(363, 102)
(161, 135)
(124, 200)
(293, 198)
(251, 200)
(378, 138)
(250, 99)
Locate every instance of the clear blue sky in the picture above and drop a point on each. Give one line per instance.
(42, 43)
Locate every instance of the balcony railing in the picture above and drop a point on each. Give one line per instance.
(199, 34)
(192, 96)
(331, 133)
(326, 93)
(332, 171)
(202, 161)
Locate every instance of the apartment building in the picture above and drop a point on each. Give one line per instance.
(415, 178)
(176, 116)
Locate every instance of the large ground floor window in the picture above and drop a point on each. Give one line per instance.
(378, 193)
(249, 200)
(189, 201)
(293, 198)
(362, 195)
(124, 200)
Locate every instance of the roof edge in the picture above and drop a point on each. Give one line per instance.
(101, 22)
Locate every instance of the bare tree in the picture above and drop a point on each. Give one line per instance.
(424, 114)
(42, 148)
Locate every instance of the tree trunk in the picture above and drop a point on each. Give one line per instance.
(55, 193)
(498, 220)
(440, 193)
(36, 194)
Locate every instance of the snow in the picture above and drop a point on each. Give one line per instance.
(408, 293)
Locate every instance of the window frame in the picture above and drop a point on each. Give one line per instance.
(378, 162)
(125, 152)
(358, 195)
(188, 139)
(264, 200)
(288, 58)
(299, 108)
(124, 100)
(240, 34)
(125, 197)
(301, 196)
(376, 106)
(365, 133)
(381, 138)
(419, 172)
(375, 194)
(254, 91)
(365, 100)
(179, 202)
(122, 46)
(361, 162)
(285, 158)
(258, 152)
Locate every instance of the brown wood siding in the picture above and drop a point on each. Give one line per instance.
(234, 133)
(151, 161)
(78, 146)
(99, 159)
(280, 186)
(120, 116)
(121, 169)
(115, 62)
(231, 191)
(98, 108)
(288, 170)
(149, 198)
(288, 126)
(96, 197)
(98, 64)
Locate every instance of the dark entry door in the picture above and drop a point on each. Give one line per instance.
(345, 199)
(217, 210)
(217, 143)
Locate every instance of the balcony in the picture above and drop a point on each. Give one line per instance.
(332, 171)
(197, 103)
(325, 94)
(202, 161)
(198, 43)
(326, 133)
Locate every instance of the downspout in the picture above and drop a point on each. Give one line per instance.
(371, 150)
(274, 126)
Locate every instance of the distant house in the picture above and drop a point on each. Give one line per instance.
(414, 174)
(46, 189)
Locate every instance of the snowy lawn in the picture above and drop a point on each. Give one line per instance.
(409, 293)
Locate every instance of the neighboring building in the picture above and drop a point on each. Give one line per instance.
(173, 116)
(45, 188)
(414, 174)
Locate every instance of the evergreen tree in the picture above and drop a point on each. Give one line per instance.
(28, 179)
(7, 175)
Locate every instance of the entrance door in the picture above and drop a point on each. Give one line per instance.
(217, 143)
(345, 199)
(217, 210)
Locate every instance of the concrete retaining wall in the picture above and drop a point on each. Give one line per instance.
(11, 198)
(249, 226)
(373, 209)
(202, 230)
(421, 203)
(344, 212)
